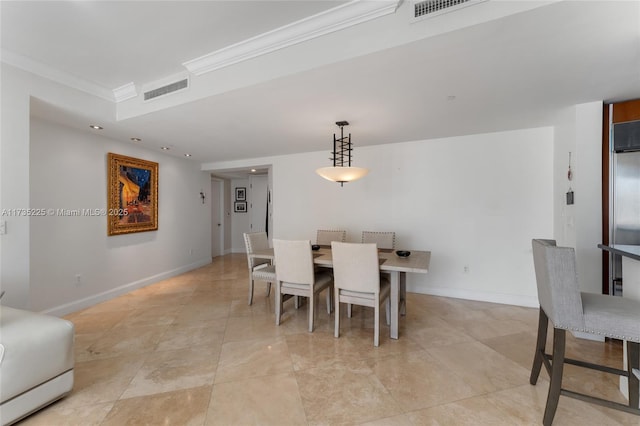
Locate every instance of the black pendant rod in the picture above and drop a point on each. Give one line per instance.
(344, 150)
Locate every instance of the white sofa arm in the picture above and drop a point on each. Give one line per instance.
(38, 352)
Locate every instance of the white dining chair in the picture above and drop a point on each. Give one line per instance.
(324, 237)
(357, 281)
(384, 240)
(260, 269)
(296, 276)
(387, 241)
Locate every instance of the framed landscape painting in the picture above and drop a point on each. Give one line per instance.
(132, 191)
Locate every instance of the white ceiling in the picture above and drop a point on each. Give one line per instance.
(506, 73)
(111, 43)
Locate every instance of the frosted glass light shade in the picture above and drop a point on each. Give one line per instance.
(342, 174)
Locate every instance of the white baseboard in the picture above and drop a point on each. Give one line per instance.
(225, 252)
(501, 298)
(119, 291)
(504, 299)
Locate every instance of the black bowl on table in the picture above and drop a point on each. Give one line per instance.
(315, 247)
(403, 253)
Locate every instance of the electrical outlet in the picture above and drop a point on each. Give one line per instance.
(78, 280)
(466, 269)
(191, 252)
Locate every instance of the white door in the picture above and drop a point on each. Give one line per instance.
(258, 207)
(217, 204)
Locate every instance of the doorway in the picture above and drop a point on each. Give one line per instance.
(217, 217)
(258, 208)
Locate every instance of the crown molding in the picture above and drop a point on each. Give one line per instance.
(335, 19)
(125, 92)
(45, 71)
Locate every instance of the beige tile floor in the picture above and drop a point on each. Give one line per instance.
(189, 351)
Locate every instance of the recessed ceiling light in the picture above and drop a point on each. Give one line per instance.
(253, 170)
(95, 127)
(136, 139)
(166, 148)
(187, 155)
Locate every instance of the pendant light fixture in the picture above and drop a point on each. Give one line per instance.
(342, 171)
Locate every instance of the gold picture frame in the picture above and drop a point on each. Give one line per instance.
(132, 191)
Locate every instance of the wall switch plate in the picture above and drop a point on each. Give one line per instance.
(3, 227)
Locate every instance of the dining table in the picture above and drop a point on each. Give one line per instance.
(396, 266)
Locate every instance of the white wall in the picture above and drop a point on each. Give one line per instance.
(588, 180)
(14, 193)
(17, 88)
(41, 258)
(579, 131)
(564, 142)
(473, 201)
(69, 171)
(240, 222)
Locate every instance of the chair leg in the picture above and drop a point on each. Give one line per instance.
(333, 290)
(557, 365)
(349, 310)
(541, 344)
(278, 303)
(336, 329)
(250, 290)
(387, 310)
(268, 288)
(633, 358)
(312, 303)
(329, 299)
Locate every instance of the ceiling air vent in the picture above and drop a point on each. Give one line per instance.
(430, 8)
(165, 90)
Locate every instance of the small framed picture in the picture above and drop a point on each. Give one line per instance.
(240, 207)
(241, 194)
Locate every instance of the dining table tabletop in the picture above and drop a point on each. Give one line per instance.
(417, 262)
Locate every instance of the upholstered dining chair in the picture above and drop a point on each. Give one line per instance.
(357, 280)
(259, 269)
(569, 309)
(387, 241)
(324, 237)
(384, 240)
(296, 276)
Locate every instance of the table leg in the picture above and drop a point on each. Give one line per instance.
(395, 302)
(403, 293)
